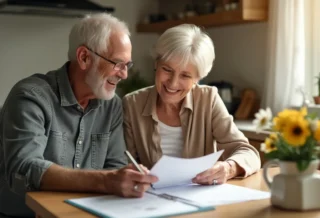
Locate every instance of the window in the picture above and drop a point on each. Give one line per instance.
(312, 44)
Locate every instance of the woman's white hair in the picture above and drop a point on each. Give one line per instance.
(188, 43)
(94, 31)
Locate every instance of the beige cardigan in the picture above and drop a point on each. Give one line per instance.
(204, 119)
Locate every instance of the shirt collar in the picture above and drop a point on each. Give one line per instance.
(151, 103)
(188, 100)
(67, 97)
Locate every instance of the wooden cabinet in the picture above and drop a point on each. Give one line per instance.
(248, 11)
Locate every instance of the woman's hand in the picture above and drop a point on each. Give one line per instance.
(219, 172)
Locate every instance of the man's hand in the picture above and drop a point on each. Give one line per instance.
(128, 182)
(219, 172)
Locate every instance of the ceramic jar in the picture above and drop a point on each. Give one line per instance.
(292, 189)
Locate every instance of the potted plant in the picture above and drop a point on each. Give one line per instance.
(317, 98)
(293, 145)
(132, 83)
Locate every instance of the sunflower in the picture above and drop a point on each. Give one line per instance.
(303, 111)
(269, 145)
(281, 120)
(317, 132)
(273, 136)
(296, 131)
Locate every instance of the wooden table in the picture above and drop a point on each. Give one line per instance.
(51, 204)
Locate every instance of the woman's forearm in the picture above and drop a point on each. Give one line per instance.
(233, 169)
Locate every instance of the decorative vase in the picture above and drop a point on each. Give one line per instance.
(292, 189)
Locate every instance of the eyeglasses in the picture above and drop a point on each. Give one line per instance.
(118, 66)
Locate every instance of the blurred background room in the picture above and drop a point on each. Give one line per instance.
(267, 51)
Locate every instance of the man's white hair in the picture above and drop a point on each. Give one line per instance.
(94, 31)
(188, 43)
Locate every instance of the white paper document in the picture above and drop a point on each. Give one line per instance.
(215, 195)
(173, 194)
(117, 207)
(173, 171)
(153, 205)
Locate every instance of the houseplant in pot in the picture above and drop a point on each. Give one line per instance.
(317, 98)
(134, 82)
(293, 146)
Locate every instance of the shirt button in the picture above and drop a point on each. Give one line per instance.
(78, 165)
(80, 142)
(79, 108)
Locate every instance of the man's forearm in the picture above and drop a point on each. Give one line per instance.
(57, 178)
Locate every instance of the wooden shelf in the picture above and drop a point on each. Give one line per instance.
(249, 11)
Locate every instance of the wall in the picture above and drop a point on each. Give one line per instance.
(240, 55)
(240, 50)
(30, 44)
(33, 44)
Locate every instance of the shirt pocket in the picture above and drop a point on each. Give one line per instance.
(99, 149)
(56, 147)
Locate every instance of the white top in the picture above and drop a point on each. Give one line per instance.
(171, 140)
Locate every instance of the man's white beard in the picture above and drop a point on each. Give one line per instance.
(97, 85)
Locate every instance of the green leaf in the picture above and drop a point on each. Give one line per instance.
(312, 116)
(272, 155)
(302, 165)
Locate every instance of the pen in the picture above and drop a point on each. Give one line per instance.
(134, 162)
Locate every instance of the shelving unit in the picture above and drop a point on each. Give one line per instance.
(248, 11)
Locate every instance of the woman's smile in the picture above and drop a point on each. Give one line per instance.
(171, 91)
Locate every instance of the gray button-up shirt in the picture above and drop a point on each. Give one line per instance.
(42, 123)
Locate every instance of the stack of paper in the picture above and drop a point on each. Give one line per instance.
(148, 206)
(173, 194)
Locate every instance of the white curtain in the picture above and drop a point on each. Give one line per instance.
(286, 54)
(312, 33)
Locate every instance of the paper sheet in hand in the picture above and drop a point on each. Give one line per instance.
(173, 171)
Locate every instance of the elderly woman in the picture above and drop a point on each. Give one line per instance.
(178, 117)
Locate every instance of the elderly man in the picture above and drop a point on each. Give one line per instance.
(62, 131)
